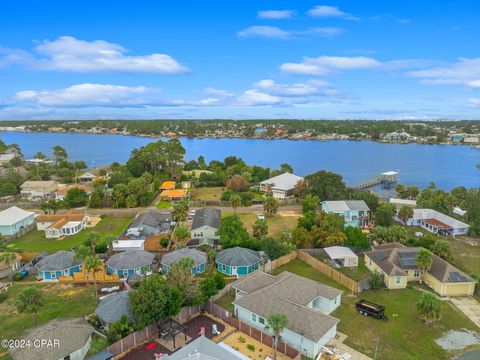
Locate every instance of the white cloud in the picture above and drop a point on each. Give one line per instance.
(465, 72)
(70, 54)
(86, 95)
(264, 31)
(327, 64)
(474, 102)
(275, 14)
(255, 97)
(217, 92)
(326, 11)
(297, 89)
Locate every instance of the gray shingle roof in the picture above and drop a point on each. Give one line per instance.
(130, 259)
(199, 257)
(113, 307)
(72, 335)
(285, 181)
(207, 217)
(254, 281)
(202, 349)
(238, 256)
(153, 218)
(61, 260)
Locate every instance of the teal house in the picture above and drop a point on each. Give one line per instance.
(15, 220)
(129, 263)
(356, 213)
(61, 263)
(198, 257)
(238, 261)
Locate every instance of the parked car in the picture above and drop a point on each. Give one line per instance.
(261, 216)
(368, 308)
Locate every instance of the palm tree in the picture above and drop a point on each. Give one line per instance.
(92, 265)
(180, 211)
(405, 213)
(109, 239)
(429, 307)
(235, 202)
(92, 239)
(29, 301)
(182, 235)
(276, 322)
(424, 261)
(270, 206)
(260, 228)
(7, 257)
(81, 253)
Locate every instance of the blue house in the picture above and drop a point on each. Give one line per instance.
(238, 261)
(61, 263)
(130, 262)
(15, 220)
(199, 259)
(356, 213)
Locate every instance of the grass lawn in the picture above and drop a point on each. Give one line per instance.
(403, 336)
(466, 256)
(276, 224)
(358, 273)
(60, 301)
(35, 241)
(206, 193)
(163, 205)
(226, 301)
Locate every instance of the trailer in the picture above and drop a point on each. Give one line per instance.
(368, 308)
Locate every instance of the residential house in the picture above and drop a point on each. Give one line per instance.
(205, 226)
(176, 194)
(398, 265)
(61, 263)
(199, 259)
(402, 202)
(15, 220)
(113, 307)
(8, 267)
(281, 186)
(86, 178)
(471, 138)
(398, 136)
(61, 193)
(306, 304)
(58, 225)
(6, 158)
(238, 261)
(124, 245)
(356, 213)
(65, 339)
(129, 263)
(202, 348)
(38, 190)
(457, 138)
(149, 223)
(168, 185)
(436, 222)
(341, 256)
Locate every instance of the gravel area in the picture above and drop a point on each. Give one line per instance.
(457, 340)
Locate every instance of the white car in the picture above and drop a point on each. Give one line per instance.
(261, 216)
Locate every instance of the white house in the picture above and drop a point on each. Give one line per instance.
(342, 256)
(58, 225)
(15, 220)
(38, 190)
(205, 226)
(436, 222)
(124, 245)
(306, 303)
(281, 186)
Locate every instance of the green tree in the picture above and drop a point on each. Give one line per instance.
(376, 280)
(356, 238)
(405, 213)
(370, 199)
(109, 239)
(180, 211)
(429, 307)
(442, 249)
(301, 189)
(180, 276)
(384, 215)
(235, 202)
(60, 154)
(76, 198)
(276, 248)
(131, 201)
(92, 264)
(154, 300)
(302, 238)
(276, 322)
(40, 155)
(260, 228)
(92, 240)
(182, 235)
(326, 185)
(119, 329)
(30, 301)
(424, 261)
(232, 232)
(270, 205)
(310, 203)
(174, 152)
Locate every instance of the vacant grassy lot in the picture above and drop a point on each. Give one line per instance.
(466, 256)
(206, 193)
(59, 301)
(403, 336)
(35, 241)
(163, 205)
(276, 224)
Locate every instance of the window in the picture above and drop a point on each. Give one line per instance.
(261, 320)
(416, 273)
(254, 318)
(53, 274)
(398, 280)
(224, 268)
(125, 273)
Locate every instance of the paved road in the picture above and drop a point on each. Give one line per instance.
(469, 306)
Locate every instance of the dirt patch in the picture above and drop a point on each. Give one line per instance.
(457, 340)
(289, 213)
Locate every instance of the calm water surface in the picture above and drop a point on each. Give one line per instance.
(446, 165)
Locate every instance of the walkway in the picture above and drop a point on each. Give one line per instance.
(469, 306)
(338, 343)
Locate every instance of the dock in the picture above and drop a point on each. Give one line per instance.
(387, 178)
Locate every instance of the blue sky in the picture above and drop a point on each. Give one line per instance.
(239, 59)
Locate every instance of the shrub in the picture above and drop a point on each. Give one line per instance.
(101, 247)
(3, 296)
(376, 280)
(241, 339)
(17, 277)
(164, 241)
(220, 281)
(251, 347)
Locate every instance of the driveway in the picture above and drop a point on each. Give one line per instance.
(469, 306)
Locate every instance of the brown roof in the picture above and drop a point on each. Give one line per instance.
(64, 190)
(438, 224)
(59, 220)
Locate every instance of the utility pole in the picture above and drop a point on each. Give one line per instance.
(377, 340)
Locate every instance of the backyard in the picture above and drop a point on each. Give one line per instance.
(35, 241)
(59, 301)
(404, 335)
(285, 220)
(207, 194)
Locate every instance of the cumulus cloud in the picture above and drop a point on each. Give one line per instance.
(70, 54)
(217, 92)
(465, 72)
(254, 97)
(86, 95)
(324, 65)
(296, 89)
(325, 11)
(474, 102)
(275, 14)
(277, 33)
